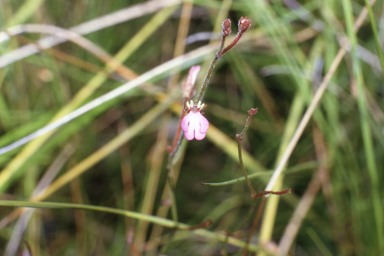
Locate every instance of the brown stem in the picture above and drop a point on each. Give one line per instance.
(242, 166)
(244, 24)
(280, 193)
(177, 140)
(240, 138)
(234, 42)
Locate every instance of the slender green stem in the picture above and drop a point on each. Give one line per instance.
(126, 213)
(224, 32)
(301, 167)
(208, 75)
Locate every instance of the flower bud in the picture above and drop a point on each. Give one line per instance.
(244, 24)
(226, 27)
(190, 83)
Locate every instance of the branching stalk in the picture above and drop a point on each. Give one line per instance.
(244, 24)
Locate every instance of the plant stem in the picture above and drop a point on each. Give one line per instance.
(209, 72)
(244, 24)
(240, 137)
(243, 169)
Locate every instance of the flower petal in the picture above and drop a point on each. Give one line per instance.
(199, 135)
(185, 122)
(194, 125)
(204, 124)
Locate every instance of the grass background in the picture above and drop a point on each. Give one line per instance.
(115, 155)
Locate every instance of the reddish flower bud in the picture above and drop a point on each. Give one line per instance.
(244, 24)
(226, 27)
(252, 111)
(187, 88)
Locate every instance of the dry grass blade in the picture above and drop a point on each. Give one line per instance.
(307, 199)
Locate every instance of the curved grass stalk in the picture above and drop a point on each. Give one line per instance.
(139, 216)
(126, 213)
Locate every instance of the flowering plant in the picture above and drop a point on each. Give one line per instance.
(194, 124)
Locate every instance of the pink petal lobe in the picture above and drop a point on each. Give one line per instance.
(201, 130)
(204, 124)
(199, 135)
(185, 122)
(190, 134)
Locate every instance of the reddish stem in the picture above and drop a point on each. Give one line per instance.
(204, 224)
(176, 139)
(263, 193)
(244, 24)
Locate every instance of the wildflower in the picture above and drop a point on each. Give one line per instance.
(194, 124)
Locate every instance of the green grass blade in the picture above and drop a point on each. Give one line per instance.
(366, 131)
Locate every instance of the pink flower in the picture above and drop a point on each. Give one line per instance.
(194, 124)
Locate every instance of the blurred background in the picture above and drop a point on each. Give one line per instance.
(59, 55)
